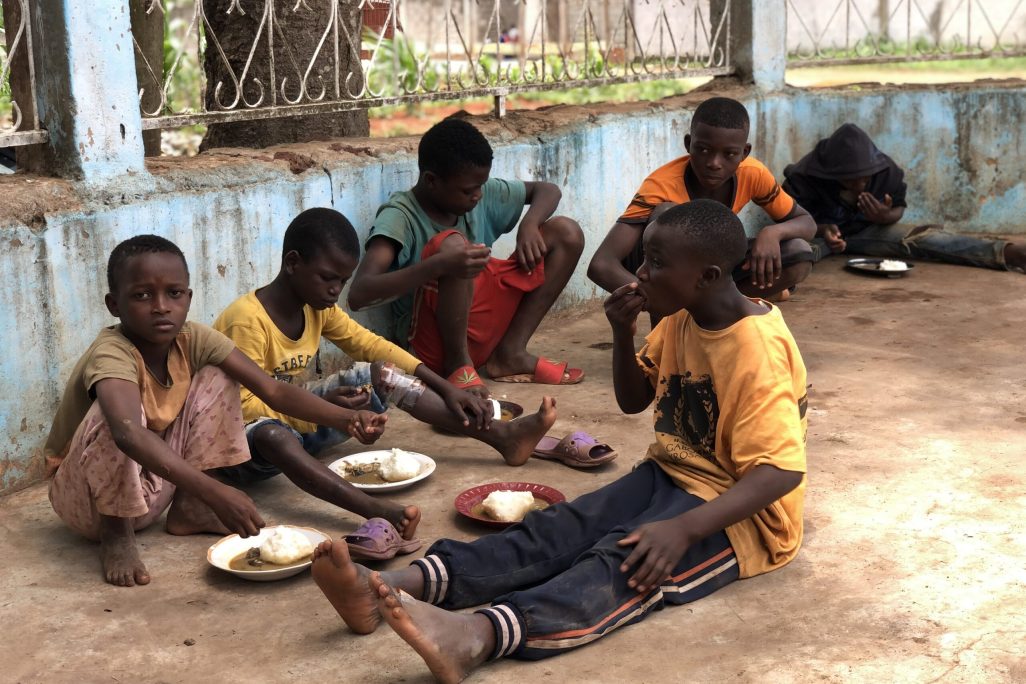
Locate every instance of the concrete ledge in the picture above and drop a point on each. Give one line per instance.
(227, 209)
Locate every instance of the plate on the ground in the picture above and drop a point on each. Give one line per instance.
(891, 268)
(427, 466)
(221, 553)
(468, 503)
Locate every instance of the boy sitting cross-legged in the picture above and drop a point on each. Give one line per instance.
(151, 410)
(719, 496)
(280, 326)
(428, 253)
(717, 167)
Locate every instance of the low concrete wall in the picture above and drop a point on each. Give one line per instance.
(962, 147)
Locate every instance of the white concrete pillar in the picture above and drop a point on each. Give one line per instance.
(86, 88)
(760, 56)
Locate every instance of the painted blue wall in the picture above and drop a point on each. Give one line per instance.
(962, 147)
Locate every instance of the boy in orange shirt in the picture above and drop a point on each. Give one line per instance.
(719, 496)
(717, 167)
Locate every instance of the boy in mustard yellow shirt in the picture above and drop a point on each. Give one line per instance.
(719, 496)
(280, 326)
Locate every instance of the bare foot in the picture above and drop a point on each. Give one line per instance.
(518, 438)
(405, 521)
(122, 566)
(451, 644)
(346, 586)
(189, 515)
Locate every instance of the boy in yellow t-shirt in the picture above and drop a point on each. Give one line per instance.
(718, 498)
(280, 326)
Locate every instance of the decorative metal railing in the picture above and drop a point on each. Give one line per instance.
(871, 31)
(365, 53)
(19, 120)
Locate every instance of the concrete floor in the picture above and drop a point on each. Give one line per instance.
(912, 568)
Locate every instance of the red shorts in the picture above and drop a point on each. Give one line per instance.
(498, 290)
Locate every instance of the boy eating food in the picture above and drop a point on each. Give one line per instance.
(717, 167)
(429, 254)
(280, 327)
(719, 496)
(151, 411)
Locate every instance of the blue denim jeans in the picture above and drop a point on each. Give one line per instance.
(258, 468)
(929, 242)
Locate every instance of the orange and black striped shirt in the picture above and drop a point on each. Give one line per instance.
(753, 182)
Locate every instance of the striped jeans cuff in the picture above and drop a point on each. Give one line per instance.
(509, 629)
(436, 578)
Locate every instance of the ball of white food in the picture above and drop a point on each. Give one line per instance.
(285, 546)
(891, 265)
(398, 466)
(507, 506)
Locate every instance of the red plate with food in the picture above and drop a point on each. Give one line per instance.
(501, 504)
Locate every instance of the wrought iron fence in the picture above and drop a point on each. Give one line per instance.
(19, 120)
(872, 31)
(254, 59)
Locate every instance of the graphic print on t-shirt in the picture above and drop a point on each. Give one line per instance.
(688, 410)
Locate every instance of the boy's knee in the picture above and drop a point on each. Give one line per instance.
(272, 438)
(659, 209)
(452, 243)
(214, 378)
(795, 247)
(565, 232)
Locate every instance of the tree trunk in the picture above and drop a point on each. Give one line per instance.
(295, 37)
(27, 157)
(148, 30)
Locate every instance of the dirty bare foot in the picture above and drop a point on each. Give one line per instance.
(346, 586)
(451, 644)
(405, 521)
(189, 515)
(519, 437)
(122, 566)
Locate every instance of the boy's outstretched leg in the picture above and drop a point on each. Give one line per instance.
(118, 553)
(279, 447)
(514, 440)
(565, 243)
(346, 585)
(451, 644)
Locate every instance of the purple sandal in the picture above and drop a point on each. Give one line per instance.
(377, 539)
(578, 450)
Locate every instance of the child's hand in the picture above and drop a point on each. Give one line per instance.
(531, 249)
(832, 235)
(622, 308)
(353, 398)
(875, 210)
(462, 402)
(367, 426)
(467, 262)
(658, 547)
(765, 262)
(236, 510)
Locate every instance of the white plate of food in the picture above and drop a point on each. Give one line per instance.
(255, 558)
(892, 268)
(384, 470)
